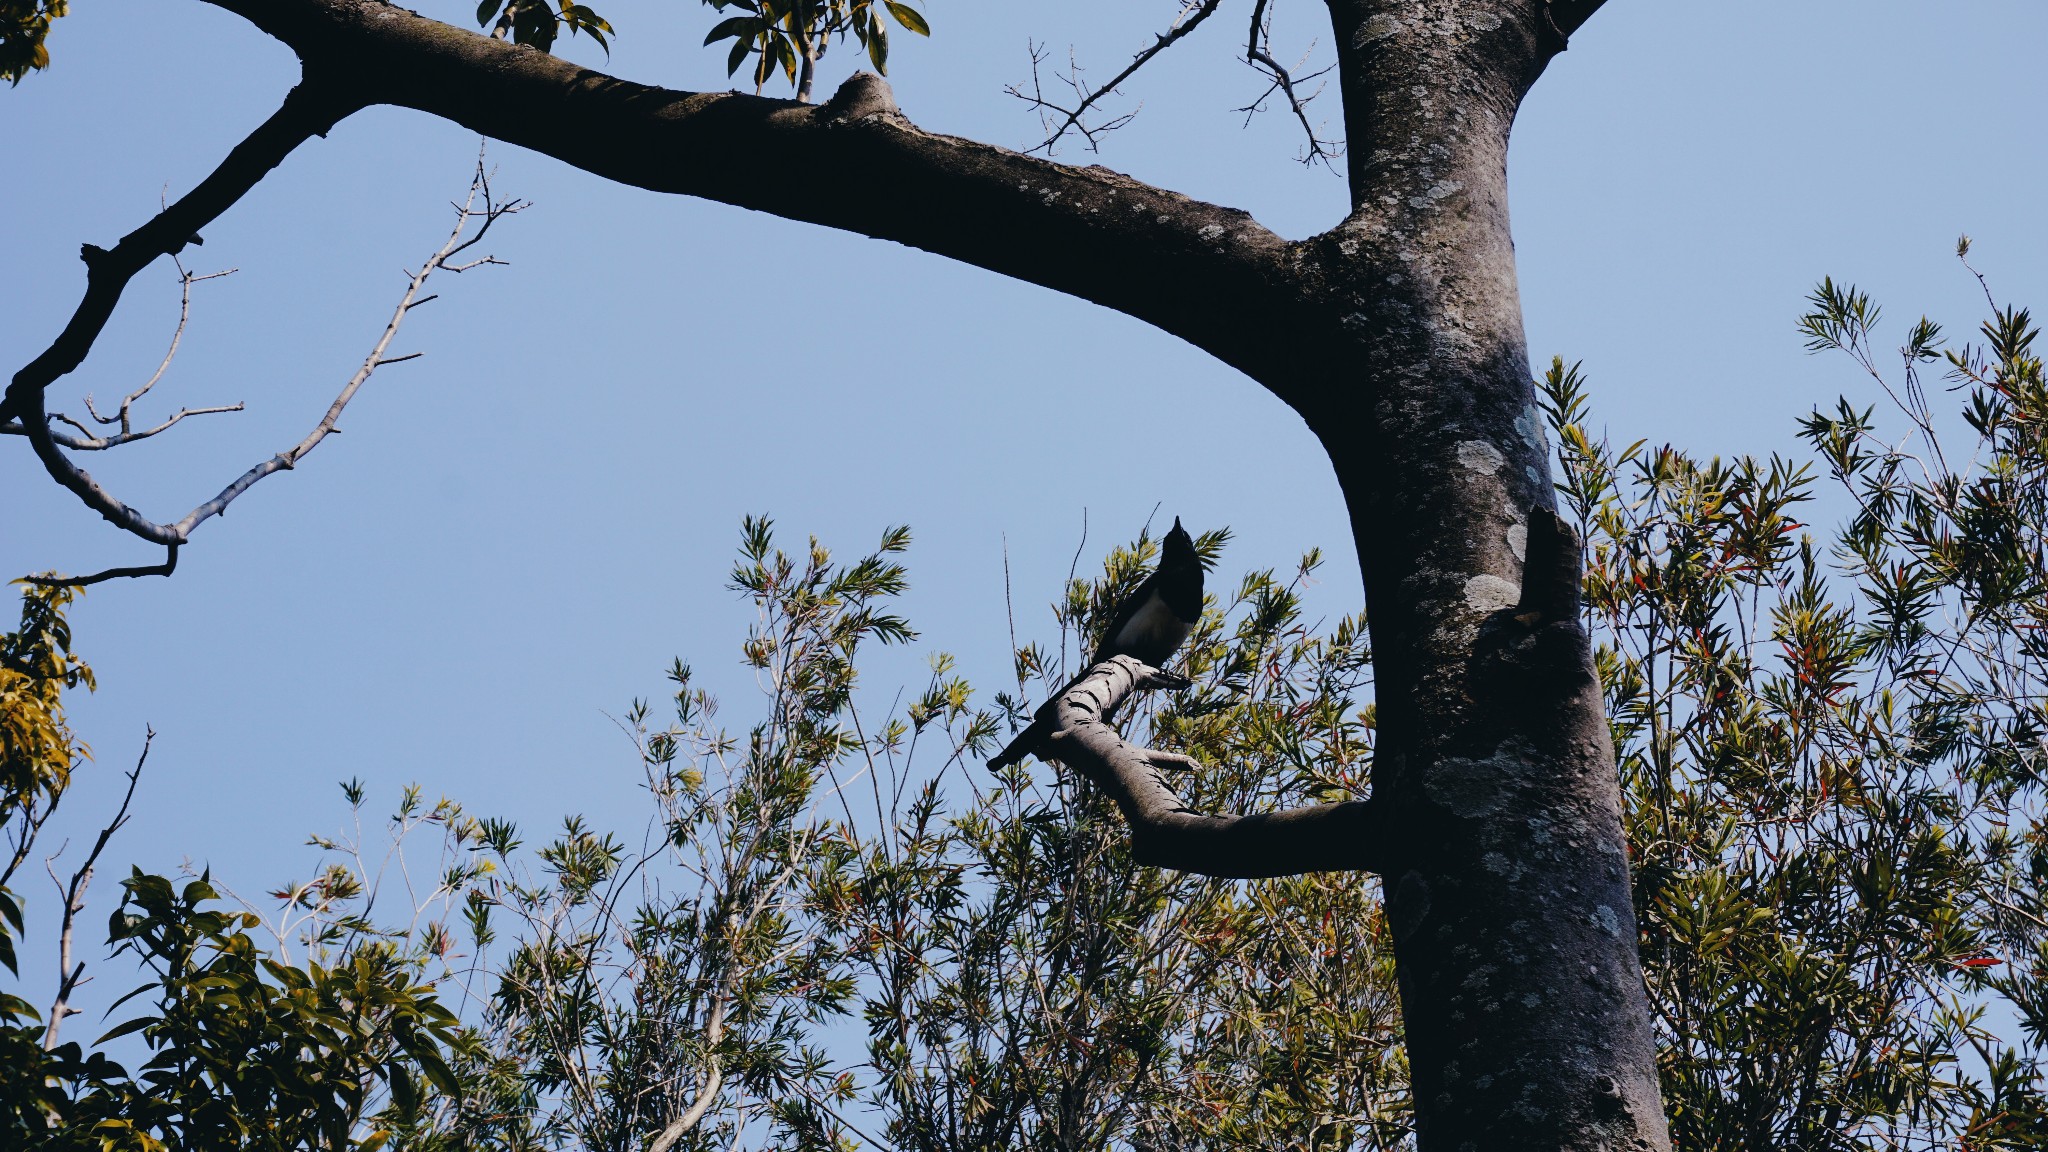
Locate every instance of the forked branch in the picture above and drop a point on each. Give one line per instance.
(71, 973)
(1060, 120)
(1258, 52)
(1165, 832)
(122, 417)
(308, 111)
(478, 206)
(460, 240)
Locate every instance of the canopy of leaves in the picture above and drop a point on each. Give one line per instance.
(1020, 982)
(1833, 756)
(783, 35)
(37, 749)
(244, 1051)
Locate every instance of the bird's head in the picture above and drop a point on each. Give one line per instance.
(1178, 549)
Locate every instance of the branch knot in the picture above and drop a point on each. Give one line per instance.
(864, 95)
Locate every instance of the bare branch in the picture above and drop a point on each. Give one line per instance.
(1164, 832)
(185, 281)
(479, 205)
(23, 833)
(308, 111)
(1192, 13)
(1193, 269)
(1258, 53)
(69, 974)
(87, 442)
(169, 566)
(490, 213)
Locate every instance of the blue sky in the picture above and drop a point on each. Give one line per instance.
(517, 532)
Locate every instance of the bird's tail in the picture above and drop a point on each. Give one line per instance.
(1023, 744)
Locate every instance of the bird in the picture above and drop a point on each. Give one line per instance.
(1155, 619)
(1149, 626)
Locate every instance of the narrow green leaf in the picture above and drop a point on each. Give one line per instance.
(908, 17)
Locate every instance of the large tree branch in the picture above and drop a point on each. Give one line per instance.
(1164, 831)
(1208, 274)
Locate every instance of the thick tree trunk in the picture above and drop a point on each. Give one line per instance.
(1495, 815)
(1508, 890)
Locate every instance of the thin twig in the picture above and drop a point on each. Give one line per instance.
(92, 443)
(1192, 13)
(169, 566)
(1258, 53)
(185, 282)
(70, 975)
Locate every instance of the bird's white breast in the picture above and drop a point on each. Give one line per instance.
(1153, 626)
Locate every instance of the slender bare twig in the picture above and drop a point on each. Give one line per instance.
(1191, 15)
(91, 443)
(308, 111)
(1963, 255)
(127, 572)
(69, 974)
(36, 424)
(1258, 53)
(186, 280)
(23, 836)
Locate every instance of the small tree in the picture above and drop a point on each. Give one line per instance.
(243, 1049)
(1832, 753)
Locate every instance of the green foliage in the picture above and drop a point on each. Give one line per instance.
(1026, 985)
(243, 1049)
(788, 36)
(841, 931)
(1833, 757)
(536, 24)
(1020, 981)
(785, 36)
(681, 984)
(37, 749)
(1831, 763)
(245, 1052)
(24, 26)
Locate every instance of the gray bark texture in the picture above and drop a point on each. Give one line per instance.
(1494, 817)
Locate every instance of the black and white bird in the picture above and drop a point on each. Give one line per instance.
(1154, 620)
(1150, 626)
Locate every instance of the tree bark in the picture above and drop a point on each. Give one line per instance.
(1397, 336)
(1508, 892)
